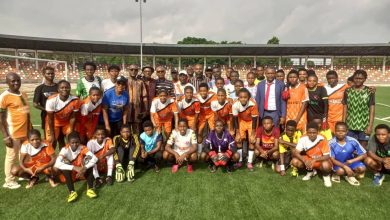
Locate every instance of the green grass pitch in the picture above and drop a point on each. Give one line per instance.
(261, 194)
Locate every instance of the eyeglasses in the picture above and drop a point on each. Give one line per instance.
(133, 69)
(161, 71)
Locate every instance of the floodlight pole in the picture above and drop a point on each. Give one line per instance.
(140, 25)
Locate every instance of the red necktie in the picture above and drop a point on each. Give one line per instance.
(267, 95)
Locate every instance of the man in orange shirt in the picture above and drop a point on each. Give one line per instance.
(61, 111)
(14, 124)
(335, 92)
(298, 97)
(206, 114)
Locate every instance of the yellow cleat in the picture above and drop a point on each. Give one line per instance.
(72, 196)
(91, 193)
(294, 172)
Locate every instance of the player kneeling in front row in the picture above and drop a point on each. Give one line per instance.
(181, 147)
(104, 150)
(36, 157)
(151, 142)
(75, 161)
(126, 153)
(316, 149)
(287, 142)
(378, 158)
(342, 152)
(219, 149)
(267, 142)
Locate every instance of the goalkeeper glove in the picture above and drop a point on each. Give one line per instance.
(119, 173)
(130, 171)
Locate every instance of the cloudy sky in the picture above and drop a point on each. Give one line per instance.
(168, 21)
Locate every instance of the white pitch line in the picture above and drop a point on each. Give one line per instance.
(383, 104)
(381, 119)
(387, 118)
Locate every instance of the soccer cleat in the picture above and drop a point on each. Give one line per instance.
(360, 176)
(273, 166)
(175, 168)
(308, 176)
(11, 185)
(378, 179)
(336, 178)
(229, 169)
(260, 164)
(91, 193)
(327, 181)
(72, 196)
(98, 183)
(352, 180)
(189, 168)
(212, 168)
(52, 182)
(156, 169)
(109, 180)
(237, 165)
(250, 166)
(294, 172)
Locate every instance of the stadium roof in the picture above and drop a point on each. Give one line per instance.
(66, 45)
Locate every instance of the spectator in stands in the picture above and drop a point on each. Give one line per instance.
(199, 77)
(14, 124)
(302, 73)
(190, 72)
(229, 70)
(209, 74)
(183, 83)
(269, 97)
(138, 100)
(109, 83)
(88, 81)
(259, 74)
(234, 76)
(174, 76)
(280, 75)
(43, 91)
(162, 83)
(250, 84)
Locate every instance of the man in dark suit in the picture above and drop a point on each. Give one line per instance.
(269, 98)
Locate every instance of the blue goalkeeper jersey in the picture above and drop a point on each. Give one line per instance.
(345, 152)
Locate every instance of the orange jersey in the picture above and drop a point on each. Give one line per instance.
(298, 96)
(205, 104)
(188, 109)
(40, 156)
(314, 149)
(17, 109)
(224, 111)
(247, 112)
(74, 158)
(88, 117)
(335, 98)
(163, 111)
(100, 149)
(62, 109)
